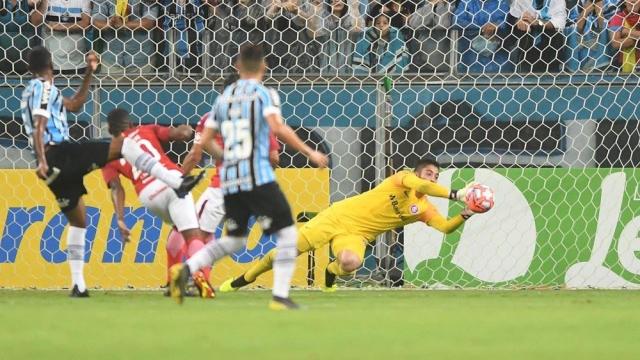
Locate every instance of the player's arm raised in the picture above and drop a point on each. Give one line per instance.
(412, 181)
(288, 136)
(76, 102)
(193, 157)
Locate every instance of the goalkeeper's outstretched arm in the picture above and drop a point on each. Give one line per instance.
(450, 225)
(412, 181)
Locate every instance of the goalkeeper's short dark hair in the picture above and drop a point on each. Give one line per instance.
(118, 120)
(39, 60)
(251, 56)
(420, 164)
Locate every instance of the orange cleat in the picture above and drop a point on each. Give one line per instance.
(205, 289)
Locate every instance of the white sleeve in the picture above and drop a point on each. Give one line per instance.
(271, 103)
(212, 122)
(39, 102)
(519, 7)
(558, 14)
(86, 7)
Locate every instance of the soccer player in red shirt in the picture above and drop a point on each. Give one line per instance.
(154, 194)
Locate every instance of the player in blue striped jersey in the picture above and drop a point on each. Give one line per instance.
(245, 166)
(244, 114)
(63, 163)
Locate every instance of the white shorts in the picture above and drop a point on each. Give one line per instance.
(165, 203)
(210, 208)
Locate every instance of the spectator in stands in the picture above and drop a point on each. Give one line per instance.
(293, 27)
(536, 31)
(127, 34)
(395, 10)
(380, 49)
(184, 24)
(63, 32)
(430, 43)
(483, 26)
(234, 23)
(626, 36)
(587, 35)
(341, 26)
(17, 35)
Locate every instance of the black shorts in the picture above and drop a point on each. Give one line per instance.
(266, 202)
(74, 160)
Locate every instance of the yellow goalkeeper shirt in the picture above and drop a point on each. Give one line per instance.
(398, 200)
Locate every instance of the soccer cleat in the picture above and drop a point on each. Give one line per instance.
(188, 183)
(330, 289)
(190, 290)
(226, 286)
(179, 279)
(329, 279)
(167, 289)
(75, 293)
(281, 304)
(204, 288)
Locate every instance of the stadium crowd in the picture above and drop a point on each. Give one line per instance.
(329, 37)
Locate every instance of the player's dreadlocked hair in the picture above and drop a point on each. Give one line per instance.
(118, 120)
(39, 60)
(420, 164)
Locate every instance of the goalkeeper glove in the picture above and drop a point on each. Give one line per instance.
(461, 194)
(466, 213)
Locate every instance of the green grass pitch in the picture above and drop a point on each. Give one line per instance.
(344, 325)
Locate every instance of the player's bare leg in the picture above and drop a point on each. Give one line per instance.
(346, 263)
(115, 148)
(76, 247)
(143, 161)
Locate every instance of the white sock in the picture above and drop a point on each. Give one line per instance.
(214, 251)
(285, 262)
(75, 255)
(133, 153)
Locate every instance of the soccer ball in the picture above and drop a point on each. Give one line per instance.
(479, 198)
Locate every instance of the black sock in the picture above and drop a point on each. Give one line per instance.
(329, 278)
(239, 282)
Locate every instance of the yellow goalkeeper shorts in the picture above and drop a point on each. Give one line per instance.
(353, 243)
(324, 229)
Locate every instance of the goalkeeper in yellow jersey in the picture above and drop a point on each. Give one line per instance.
(350, 224)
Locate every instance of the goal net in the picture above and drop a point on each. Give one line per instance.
(540, 104)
